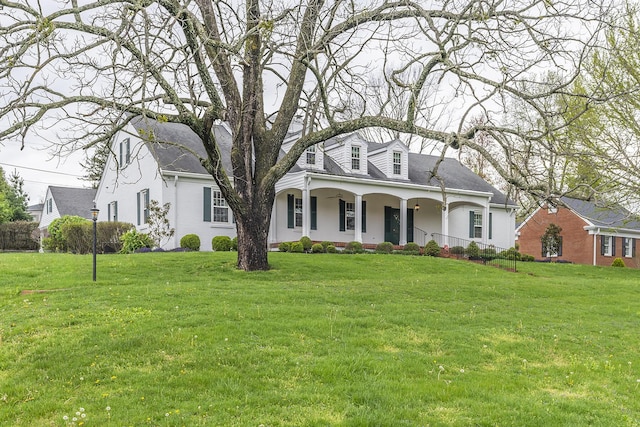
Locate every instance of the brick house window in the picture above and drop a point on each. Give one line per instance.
(607, 246)
(628, 247)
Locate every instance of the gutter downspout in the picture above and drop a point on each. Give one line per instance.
(594, 245)
(176, 243)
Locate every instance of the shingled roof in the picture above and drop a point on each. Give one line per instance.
(603, 215)
(73, 201)
(172, 143)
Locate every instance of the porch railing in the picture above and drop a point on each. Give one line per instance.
(455, 247)
(420, 236)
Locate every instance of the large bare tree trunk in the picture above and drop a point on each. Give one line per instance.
(253, 232)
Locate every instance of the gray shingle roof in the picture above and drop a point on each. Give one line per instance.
(172, 143)
(73, 201)
(603, 216)
(169, 137)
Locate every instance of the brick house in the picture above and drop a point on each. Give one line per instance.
(591, 233)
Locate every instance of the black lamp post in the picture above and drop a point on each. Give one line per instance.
(94, 215)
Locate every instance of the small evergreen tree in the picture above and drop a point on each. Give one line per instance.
(551, 240)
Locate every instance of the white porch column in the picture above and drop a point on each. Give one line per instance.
(358, 219)
(403, 221)
(306, 212)
(273, 236)
(445, 224)
(485, 223)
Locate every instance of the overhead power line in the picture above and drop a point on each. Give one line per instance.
(40, 170)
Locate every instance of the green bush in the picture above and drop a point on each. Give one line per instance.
(132, 240)
(353, 248)
(234, 244)
(432, 248)
(109, 234)
(457, 250)
(488, 253)
(526, 258)
(297, 247)
(284, 247)
(221, 243)
(411, 247)
(511, 253)
(19, 236)
(317, 248)
(57, 241)
(331, 249)
(384, 248)
(473, 251)
(78, 237)
(325, 244)
(190, 241)
(306, 243)
(618, 262)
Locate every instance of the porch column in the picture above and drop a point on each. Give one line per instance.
(403, 221)
(445, 224)
(306, 212)
(485, 223)
(273, 236)
(358, 223)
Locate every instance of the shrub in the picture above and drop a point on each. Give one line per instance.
(331, 249)
(57, 241)
(618, 262)
(19, 236)
(432, 248)
(326, 244)
(132, 240)
(221, 243)
(297, 247)
(457, 250)
(109, 234)
(234, 244)
(411, 247)
(306, 243)
(511, 253)
(384, 248)
(488, 253)
(284, 247)
(317, 248)
(526, 258)
(190, 241)
(473, 251)
(353, 248)
(78, 237)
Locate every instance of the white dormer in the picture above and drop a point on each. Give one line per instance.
(312, 158)
(350, 152)
(391, 158)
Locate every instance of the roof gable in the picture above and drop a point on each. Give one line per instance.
(73, 201)
(611, 216)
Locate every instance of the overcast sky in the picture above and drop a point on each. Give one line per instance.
(39, 169)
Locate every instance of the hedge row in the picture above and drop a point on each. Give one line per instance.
(19, 236)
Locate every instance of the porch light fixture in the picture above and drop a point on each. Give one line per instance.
(416, 207)
(94, 216)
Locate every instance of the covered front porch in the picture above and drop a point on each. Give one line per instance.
(350, 209)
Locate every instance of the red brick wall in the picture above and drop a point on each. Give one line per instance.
(577, 243)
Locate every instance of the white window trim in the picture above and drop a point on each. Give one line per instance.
(477, 225)
(356, 160)
(627, 247)
(607, 245)
(311, 155)
(349, 216)
(297, 212)
(219, 207)
(396, 155)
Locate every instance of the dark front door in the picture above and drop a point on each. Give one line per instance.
(392, 225)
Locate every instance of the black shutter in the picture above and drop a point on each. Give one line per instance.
(601, 245)
(290, 210)
(314, 213)
(138, 207)
(364, 216)
(409, 225)
(206, 209)
(471, 224)
(121, 156)
(613, 245)
(559, 245)
(490, 225)
(341, 213)
(633, 247)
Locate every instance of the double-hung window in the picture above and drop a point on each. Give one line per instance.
(475, 225)
(355, 158)
(112, 211)
(298, 212)
(397, 163)
(311, 155)
(350, 215)
(142, 203)
(125, 152)
(220, 207)
(607, 246)
(627, 247)
(49, 205)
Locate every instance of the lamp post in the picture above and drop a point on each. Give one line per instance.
(94, 215)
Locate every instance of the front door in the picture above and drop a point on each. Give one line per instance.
(392, 225)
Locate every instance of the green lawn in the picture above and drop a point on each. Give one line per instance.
(172, 339)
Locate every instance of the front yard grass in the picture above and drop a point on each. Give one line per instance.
(172, 339)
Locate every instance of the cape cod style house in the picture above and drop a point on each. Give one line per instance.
(343, 190)
(592, 233)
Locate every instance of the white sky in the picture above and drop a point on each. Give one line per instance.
(39, 168)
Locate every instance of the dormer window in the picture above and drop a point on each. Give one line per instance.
(311, 155)
(355, 158)
(397, 163)
(125, 152)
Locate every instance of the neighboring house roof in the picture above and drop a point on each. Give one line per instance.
(35, 208)
(73, 201)
(600, 215)
(168, 137)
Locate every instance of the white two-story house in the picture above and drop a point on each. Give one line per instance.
(345, 189)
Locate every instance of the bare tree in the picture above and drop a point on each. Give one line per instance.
(95, 64)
